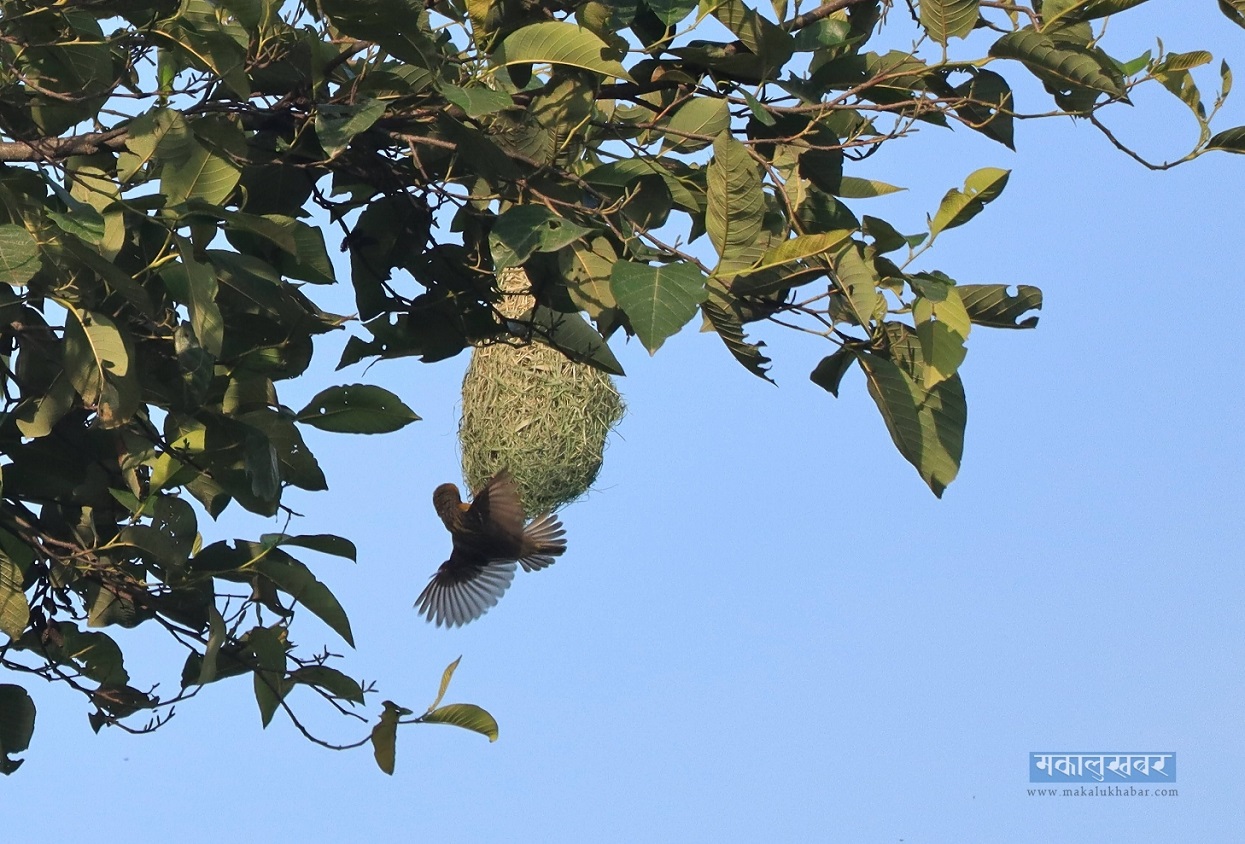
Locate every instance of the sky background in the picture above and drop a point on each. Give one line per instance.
(766, 627)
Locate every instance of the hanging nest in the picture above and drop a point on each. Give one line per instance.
(530, 409)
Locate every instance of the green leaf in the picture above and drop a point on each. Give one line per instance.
(628, 171)
(331, 680)
(17, 725)
(465, 715)
(297, 581)
(188, 168)
(671, 12)
(1067, 11)
(705, 116)
(586, 268)
(357, 409)
(729, 326)
(658, 300)
(337, 125)
(1229, 140)
(942, 347)
(526, 229)
(1183, 61)
(926, 426)
(325, 543)
(852, 187)
(828, 374)
(799, 248)
(995, 306)
(385, 736)
(476, 101)
(857, 280)
(991, 106)
(557, 42)
(1234, 10)
(758, 110)
(947, 19)
(81, 221)
(14, 610)
(96, 655)
(571, 335)
(268, 646)
(193, 284)
(885, 236)
(445, 682)
(1057, 63)
(736, 207)
(211, 652)
(19, 255)
(97, 362)
(771, 44)
(958, 207)
(39, 417)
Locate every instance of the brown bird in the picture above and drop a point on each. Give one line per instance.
(489, 538)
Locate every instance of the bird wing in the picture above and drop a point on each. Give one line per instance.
(543, 540)
(497, 510)
(465, 587)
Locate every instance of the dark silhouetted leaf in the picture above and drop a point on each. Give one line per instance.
(357, 409)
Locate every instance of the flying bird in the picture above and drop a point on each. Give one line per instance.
(490, 536)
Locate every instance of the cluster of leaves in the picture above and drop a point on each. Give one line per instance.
(159, 162)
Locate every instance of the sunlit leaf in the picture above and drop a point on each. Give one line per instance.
(736, 206)
(947, 19)
(557, 42)
(958, 207)
(853, 187)
(465, 715)
(446, 676)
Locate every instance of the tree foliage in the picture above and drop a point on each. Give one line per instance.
(171, 174)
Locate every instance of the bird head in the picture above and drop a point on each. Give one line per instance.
(447, 500)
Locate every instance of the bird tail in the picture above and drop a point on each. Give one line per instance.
(545, 536)
(452, 600)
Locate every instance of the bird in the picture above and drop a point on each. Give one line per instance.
(490, 536)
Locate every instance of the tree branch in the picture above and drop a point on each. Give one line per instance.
(56, 149)
(822, 11)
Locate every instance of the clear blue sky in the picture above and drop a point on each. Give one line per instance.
(766, 627)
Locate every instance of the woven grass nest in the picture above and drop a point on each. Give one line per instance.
(531, 410)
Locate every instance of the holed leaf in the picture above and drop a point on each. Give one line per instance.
(357, 409)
